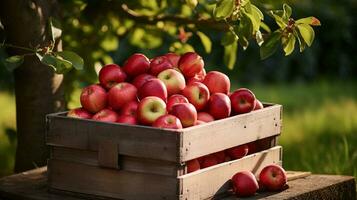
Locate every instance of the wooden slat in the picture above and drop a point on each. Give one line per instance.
(226, 133)
(108, 154)
(293, 175)
(214, 181)
(111, 183)
(136, 141)
(126, 163)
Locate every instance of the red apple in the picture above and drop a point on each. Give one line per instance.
(121, 94)
(197, 94)
(186, 112)
(220, 156)
(136, 64)
(203, 116)
(106, 115)
(173, 58)
(129, 108)
(258, 105)
(173, 80)
(192, 165)
(237, 152)
(199, 77)
(190, 64)
(252, 147)
(219, 106)
(159, 64)
(167, 121)
(153, 87)
(273, 177)
(93, 98)
(208, 161)
(110, 75)
(244, 184)
(217, 82)
(127, 119)
(141, 80)
(79, 113)
(149, 109)
(199, 122)
(174, 99)
(243, 101)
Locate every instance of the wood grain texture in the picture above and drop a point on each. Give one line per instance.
(226, 133)
(110, 183)
(32, 185)
(214, 181)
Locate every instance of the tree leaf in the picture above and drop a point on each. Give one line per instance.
(223, 9)
(11, 63)
(287, 11)
(313, 21)
(307, 33)
(206, 41)
(192, 3)
(72, 57)
(54, 31)
(259, 38)
(302, 43)
(230, 55)
(289, 44)
(270, 45)
(265, 27)
(228, 38)
(257, 11)
(59, 65)
(279, 20)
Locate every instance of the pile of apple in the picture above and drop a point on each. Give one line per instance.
(271, 178)
(168, 91)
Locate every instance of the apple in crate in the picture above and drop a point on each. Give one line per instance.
(206, 117)
(273, 177)
(153, 87)
(197, 94)
(190, 64)
(136, 64)
(173, 58)
(199, 122)
(192, 165)
(174, 99)
(173, 80)
(208, 161)
(217, 82)
(237, 152)
(186, 112)
(127, 119)
(199, 77)
(159, 64)
(219, 106)
(79, 113)
(110, 75)
(121, 94)
(149, 109)
(130, 108)
(244, 184)
(220, 156)
(93, 98)
(167, 121)
(141, 80)
(243, 101)
(106, 115)
(258, 105)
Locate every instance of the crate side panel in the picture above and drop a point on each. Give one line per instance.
(132, 140)
(74, 177)
(214, 181)
(127, 163)
(223, 134)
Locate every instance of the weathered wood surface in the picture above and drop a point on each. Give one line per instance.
(32, 185)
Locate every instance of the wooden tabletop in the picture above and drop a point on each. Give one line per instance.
(32, 185)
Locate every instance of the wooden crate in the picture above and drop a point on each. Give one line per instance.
(139, 162)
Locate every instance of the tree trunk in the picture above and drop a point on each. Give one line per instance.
(38, 90)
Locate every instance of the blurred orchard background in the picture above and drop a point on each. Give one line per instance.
(318, 88)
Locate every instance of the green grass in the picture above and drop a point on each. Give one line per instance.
(319, 126)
